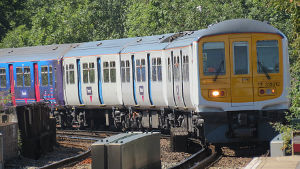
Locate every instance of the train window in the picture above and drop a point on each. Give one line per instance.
(213, 58)
(67, 74)
(240, 57)
(123, 71)
(187, 74)
(44, 74)
(19, 73)
(143, 70)
(106, 72)
(51, 76)
(154, 69)
(176, 69)
(267, 56)
(185, 68)
(127, 71)
(2, 78)
(113, 71)
(169, 69)
(85, 72)
(27, 79)
(71, 74)
(159, 73)
(92, 72)
(138, 70)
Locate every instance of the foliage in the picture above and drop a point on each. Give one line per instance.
(5, 100)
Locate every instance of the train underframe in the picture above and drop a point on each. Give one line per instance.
(219, 127)
(129, 119)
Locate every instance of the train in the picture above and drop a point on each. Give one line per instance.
(225, 83)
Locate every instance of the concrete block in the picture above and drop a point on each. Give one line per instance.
(99, 152)
(276, 146)
(141, 150)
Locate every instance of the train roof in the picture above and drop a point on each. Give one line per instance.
(135, 44)
(36, 53)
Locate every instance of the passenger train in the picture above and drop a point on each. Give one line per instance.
(229, 80)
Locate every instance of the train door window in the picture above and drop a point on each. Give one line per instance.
(85, 72)
(143, 63)
(169, 69)
(51, 76)
(67, 73)
(123, 71)
(106, 72)
(159, 72)
(3, 78)
(19, 73)
(113, 71)
(138, 70)
(27, 79)
(92, 72)
(267, 56)
(127, 71)
(154, 69)
(241, 58)
(44, 74)
(71, 74)
(185, 68)
(213, 58)
(176, 68)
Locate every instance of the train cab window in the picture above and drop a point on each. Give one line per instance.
(44, 74)
(113, 71)
(27, 79)
(127, 70)
(19, 73)
(214, 58)
(2, 78)
(67, 73)
(106, 72)
(267, 56)
(71, 74)
(241, 58)
(51, 76)
(154, 66)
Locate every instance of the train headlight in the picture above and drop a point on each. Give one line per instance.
(215, 93)
(266, 92)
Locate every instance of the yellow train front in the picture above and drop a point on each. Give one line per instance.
(244, 80)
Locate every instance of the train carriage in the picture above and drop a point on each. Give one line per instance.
(34, 73)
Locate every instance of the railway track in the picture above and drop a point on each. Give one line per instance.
(201, 159)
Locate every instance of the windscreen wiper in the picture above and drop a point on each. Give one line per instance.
(219, 70)
(264, 70)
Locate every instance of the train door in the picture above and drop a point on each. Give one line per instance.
(12, 84)
(241, 72)
(36, 82)
(46, 81)
(178, 84)
(170, 81)
(99, 68)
